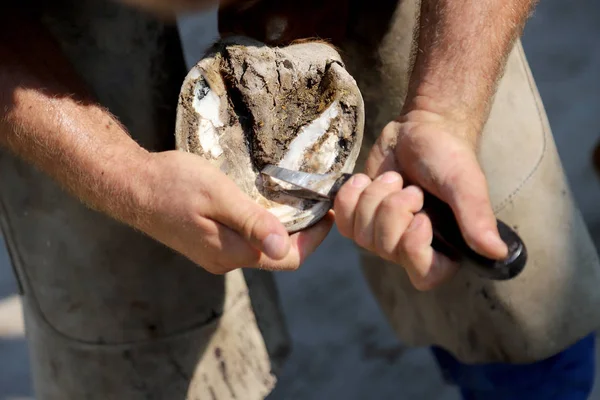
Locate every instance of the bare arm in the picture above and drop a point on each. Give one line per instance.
(177, 198)
(48, 119)
(462, 50)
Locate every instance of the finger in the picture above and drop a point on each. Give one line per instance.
(426, 268)
(222, 242)
(412, 197)
(466, 192)
(230, 206)
(381, 156)
(442, 269)
(345, 203)
(393, 216)
(212, 244)
(369, 202)
(304, 243)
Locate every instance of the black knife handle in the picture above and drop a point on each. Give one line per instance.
(448, 240)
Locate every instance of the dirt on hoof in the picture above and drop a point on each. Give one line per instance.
(246, 105)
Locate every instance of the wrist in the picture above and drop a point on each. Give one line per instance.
(462, 48)
(128, 186)
(445, 114)
(451, 98)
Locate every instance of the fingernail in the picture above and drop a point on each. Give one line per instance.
(274, 246)
(493, 240)
(413, 190)
(360, 181)
(389, 177)
(416, 222)
(415, 193)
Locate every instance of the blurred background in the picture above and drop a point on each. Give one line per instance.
(342, 347)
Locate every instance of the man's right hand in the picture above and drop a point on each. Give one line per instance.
(198, 211)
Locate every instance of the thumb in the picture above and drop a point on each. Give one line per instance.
(304, 243)
(259, 227)
(464, 188)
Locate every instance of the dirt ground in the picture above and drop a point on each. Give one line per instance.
(342, 347)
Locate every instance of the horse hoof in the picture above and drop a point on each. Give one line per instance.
(246, 105)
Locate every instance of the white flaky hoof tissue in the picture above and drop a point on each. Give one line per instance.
(246, 105)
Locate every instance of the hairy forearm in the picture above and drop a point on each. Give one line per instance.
(462, 50)
(47, 119)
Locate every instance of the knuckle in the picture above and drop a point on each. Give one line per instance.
(389, 135)
(385, 248)
(372, 191)
(463, 180)
(250, 223)
(363, 233)
(403, 249)
(343, 202)
(400, 257)
(345, 223)
(206, 194)
(207, 227)
(391, 202)
(407, 254)
(387, 232)
(345, 230)
(363, 240)
(452, 178)
(422, 285)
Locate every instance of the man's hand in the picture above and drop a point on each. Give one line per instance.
(462, 50)
(177, 198)
(431, 152)
(197, 210)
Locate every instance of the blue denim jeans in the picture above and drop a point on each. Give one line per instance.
(568, 375)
